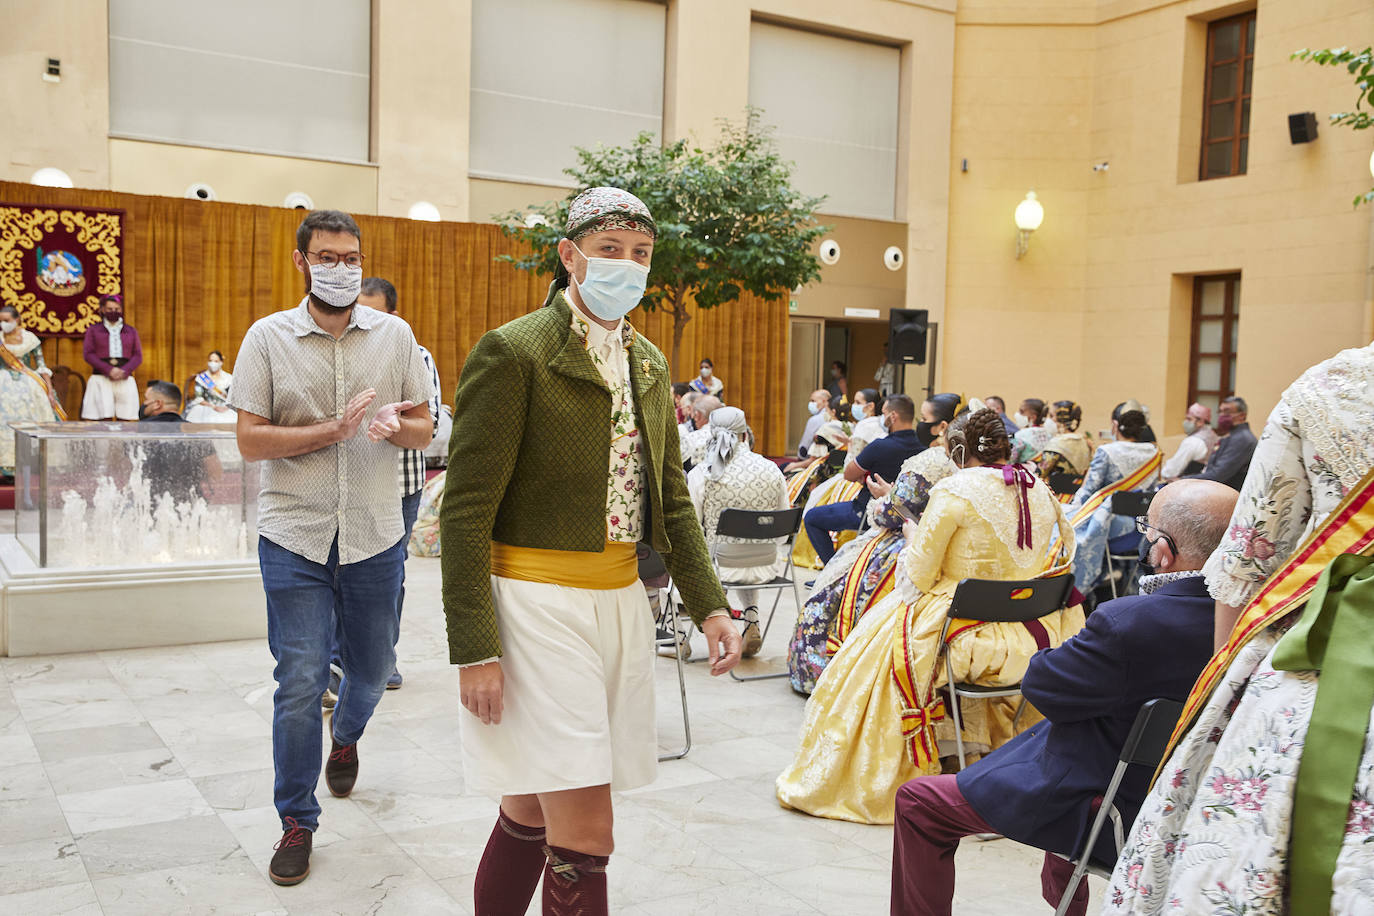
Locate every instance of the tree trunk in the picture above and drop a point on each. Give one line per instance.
(680, 319)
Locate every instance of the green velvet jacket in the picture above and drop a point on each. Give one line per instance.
(528, 461)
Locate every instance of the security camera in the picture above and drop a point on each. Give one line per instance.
(298, 200)
(830, 251)
(200, 191)
(893, 258)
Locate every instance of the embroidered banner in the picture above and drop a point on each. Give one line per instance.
(56, 263)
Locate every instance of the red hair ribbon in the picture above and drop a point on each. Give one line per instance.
(1016, 476)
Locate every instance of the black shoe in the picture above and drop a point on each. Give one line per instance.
(341, 772)
(291, 862)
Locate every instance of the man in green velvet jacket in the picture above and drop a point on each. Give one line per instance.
(564, 453)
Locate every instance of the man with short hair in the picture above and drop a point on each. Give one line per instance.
(819, 406)
(114, 352)
(379, 294)
(1230, 461)
(881, 461)
(999, 407)
(694, 445)
(1195, 448)
(688, 421)
(179, 467)
(161, 402)
(1038, 788)
(329, 514)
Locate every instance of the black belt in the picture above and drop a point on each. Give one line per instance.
(116, 360)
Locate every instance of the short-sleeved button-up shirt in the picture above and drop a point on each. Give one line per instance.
(293, 373)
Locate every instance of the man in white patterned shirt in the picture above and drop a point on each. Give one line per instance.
(329, 512)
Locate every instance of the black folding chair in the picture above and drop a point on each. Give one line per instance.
(1126, 548)
(1064, 483)
(994, 601)
(1144, 747)
(653, 572)
(763, 531)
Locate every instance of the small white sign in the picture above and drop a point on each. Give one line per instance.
(862, 313)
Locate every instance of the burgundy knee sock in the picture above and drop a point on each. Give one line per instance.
(574, 883)
(510, 869)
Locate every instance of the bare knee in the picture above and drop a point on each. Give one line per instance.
(581, 820)
(523, 809)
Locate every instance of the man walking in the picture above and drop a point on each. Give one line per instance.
(564, 455)
(329, 514)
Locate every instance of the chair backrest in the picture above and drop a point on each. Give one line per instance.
(1150, 734)
(70, 388)
(1133, 503)
(998, 601)
(1064, 483)
(759, 526)
(652, 570)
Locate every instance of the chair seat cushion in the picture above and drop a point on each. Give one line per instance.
(1125, 544)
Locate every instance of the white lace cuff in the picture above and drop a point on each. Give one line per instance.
(907, 590)
(1225, 587)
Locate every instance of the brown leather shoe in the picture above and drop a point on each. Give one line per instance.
(341, 772)
(291, 862)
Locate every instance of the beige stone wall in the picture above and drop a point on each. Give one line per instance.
(1048, 90)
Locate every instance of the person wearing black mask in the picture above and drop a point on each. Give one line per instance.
(1231, 460)
(936, 415)
(114, 352)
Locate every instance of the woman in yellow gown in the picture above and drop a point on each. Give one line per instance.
(876, 718)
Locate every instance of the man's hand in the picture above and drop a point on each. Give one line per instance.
(346, 427)
(723, 643)
(118, 374)
(387, 421)
(878, 487)
(482, 688)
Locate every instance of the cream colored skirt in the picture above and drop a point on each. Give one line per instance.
(579, 692)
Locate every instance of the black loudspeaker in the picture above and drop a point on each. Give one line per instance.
(1302, 127)
(906, 336)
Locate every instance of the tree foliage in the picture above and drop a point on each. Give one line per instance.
(1359, 64)
(729, 220)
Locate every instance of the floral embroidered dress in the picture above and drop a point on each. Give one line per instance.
(1213, 834)
(850, 586)
(211, 394)
(854, 752)
(23, 398)
(625, 477)
(1112, 462)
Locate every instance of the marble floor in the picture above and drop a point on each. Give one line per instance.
(140, 782)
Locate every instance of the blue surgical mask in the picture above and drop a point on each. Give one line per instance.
(613, 286)
(813, 407)
(858, 411)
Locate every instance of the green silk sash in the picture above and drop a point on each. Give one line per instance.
(1333, 636)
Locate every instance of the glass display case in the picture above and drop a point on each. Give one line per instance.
(98, 494)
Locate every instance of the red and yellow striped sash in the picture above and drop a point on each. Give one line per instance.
(849, 613)
(1349, 529)
(797, 484)
(1126, 484)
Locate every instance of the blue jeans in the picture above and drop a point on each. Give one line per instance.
(410, 509)
(303, 598)
(822, 520)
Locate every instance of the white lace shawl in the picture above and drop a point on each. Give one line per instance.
(996, 503)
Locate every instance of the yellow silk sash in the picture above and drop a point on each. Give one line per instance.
(1126, 484)
(1349, 529)
(849, 599)
(615, 567)
(14, 362)
(922, 706)
(797, 484)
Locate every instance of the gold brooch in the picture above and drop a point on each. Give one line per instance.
(645, 364)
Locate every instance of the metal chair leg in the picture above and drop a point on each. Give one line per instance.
(954, 709)
(682, 690)
(1020, 708)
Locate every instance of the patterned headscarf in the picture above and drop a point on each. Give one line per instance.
(728, 430)
(604, 209)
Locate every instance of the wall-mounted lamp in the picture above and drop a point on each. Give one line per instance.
(49, 177)
(1029, 215)
(424, 210)
(1371, 164)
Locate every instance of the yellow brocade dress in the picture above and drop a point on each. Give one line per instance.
(853, 753)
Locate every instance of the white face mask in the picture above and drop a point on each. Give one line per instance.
(215, 365)
(337, 286)
(705, 373)
(8, 326)
(612, 287)
(1021, 420)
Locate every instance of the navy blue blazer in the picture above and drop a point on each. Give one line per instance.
(1038, 788)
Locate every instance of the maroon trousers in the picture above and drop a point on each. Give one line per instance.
(932, 817)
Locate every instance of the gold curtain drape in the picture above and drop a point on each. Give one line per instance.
(197, 274)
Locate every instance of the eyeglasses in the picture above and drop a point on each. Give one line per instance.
(1142, 525)
(331, 260)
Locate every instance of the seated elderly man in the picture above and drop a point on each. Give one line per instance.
(1038, 788)
(1195, 448)
(694, 443)
(731, 476)
(819, 406)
